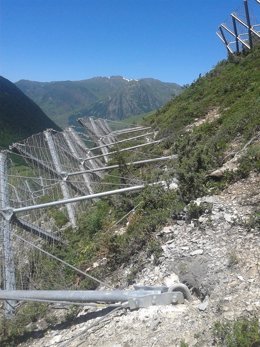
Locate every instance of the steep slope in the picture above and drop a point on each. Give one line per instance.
(19, 116)
(113, 98)
(213, 119)
(216, 255)
(232, 86)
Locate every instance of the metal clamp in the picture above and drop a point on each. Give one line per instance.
(7, 213)
(169, 298)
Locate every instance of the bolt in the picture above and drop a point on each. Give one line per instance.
(136, 303)
(174, 299)
(154, 300)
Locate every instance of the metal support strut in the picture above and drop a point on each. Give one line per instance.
(5, 230)
(142, 296)
(63, 184)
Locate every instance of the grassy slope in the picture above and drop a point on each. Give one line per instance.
(232, 86)
(138, 119)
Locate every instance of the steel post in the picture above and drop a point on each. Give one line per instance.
(81, 144)
(8, 260)
(245, 25)
(36, 230)
(248, 23)
(63, 184)
(72, 148)
(236, 33)
(233, 34)
(98, 135)
(95, 128)
(106, 130)
(224, 40)
(106, 125)
(103, 149)
(27, 185)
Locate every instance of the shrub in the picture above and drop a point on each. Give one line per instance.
(250, 161)
(243, 332)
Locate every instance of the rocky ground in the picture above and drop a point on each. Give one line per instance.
(217, 255)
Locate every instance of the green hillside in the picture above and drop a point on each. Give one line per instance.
(109, 97)
(20, 117)
(218, 112)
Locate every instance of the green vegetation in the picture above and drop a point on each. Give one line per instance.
(250, 161)
(230, 93)
(243, 332)
(194, 211)
(137, 119)
(233, 259)
(12, 331)
(254, 221)
(95, 238)
(32, 320)
(59, 217)
(20, 116)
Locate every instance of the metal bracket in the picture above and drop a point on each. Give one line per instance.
(161, 289)
(7, 213)
(156, 299)
(64, 175)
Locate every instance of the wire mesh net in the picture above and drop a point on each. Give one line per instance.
(52, 166)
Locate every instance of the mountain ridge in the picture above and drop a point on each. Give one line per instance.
(20, 117)
(114, 97)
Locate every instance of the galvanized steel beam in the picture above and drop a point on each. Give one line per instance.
(5, 226)
(63, 184)
(147, 161)
(126, 149)
(36, 230)
(233, 34)
(83, 198)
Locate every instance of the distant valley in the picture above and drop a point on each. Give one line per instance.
(112, 97)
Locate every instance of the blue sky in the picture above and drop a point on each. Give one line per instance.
(172, 40)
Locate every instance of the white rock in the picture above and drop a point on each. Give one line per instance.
(203, 306)
(228, 217)
(197, 252)
(170, 280)
(203, 219)
(167, 230)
